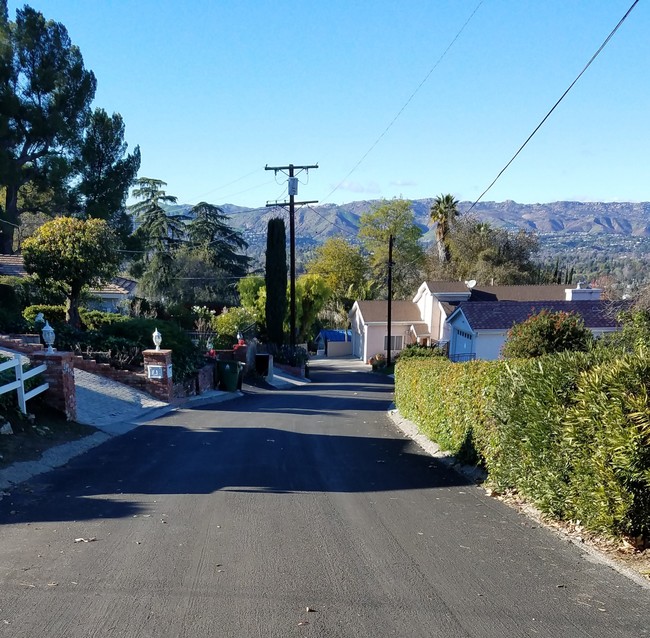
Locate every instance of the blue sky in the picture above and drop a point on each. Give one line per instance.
(212, 91)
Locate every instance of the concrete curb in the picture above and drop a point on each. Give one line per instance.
(411, 430)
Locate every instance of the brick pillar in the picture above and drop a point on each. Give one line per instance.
(61, 394)
(158, 372)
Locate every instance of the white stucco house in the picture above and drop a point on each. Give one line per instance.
(427, 319)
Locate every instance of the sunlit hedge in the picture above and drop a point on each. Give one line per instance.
(571, 431)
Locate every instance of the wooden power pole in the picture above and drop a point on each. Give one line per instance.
(390, 297)
(293, 191)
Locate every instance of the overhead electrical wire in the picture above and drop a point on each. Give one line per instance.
(408, 101)
(530, 137)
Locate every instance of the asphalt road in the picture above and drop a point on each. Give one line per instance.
(290, 513)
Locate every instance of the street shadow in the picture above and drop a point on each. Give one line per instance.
(160, 458)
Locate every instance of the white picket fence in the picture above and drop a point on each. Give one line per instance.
(19, 384)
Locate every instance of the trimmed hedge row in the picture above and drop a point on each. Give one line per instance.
(571, 431)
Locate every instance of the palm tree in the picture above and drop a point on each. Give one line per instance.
(443, 212)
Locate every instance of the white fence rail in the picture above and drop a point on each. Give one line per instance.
(19, 384)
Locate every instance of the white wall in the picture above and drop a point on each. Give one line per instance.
(339, 348)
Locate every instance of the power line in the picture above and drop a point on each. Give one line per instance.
(234, 181)
(408, 101)
(530, 137)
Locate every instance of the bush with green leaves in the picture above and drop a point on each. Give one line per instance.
(96, 319)
(185, 356)
(11, 319)
(417, 351)
(450, 402)
(52, 314)
(547, 332)
(570, 431)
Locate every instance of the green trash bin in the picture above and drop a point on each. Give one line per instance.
(228, 372)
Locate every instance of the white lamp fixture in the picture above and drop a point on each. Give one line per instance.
(157, 339)
(48, 337)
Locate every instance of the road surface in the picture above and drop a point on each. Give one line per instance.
(294, 513)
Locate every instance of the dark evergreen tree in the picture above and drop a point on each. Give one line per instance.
(45, 97)
(106, 172)
(276, 280)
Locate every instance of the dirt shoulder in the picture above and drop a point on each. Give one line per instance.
(34, 435)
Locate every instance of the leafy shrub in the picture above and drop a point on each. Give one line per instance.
(96, 319)
(53, 314)
(415, 350)
(450, 402)
(571, 431)
(11, 319)
(185, 356)
(608, 435)
(545, 333)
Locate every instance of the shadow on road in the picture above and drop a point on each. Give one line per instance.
(174, 459)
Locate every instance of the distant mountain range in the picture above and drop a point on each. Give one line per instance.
(558, 220)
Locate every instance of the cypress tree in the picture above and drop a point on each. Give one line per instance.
(276, 280)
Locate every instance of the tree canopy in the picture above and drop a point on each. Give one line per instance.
(55, 153)
(45, 98)
(393, 217)
(71, 254)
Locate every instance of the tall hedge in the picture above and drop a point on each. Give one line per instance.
(571, 431)
(450, 402)
(276, 280)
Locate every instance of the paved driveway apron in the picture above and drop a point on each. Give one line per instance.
(300, 512)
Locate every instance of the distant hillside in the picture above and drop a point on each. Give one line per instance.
(614, 228)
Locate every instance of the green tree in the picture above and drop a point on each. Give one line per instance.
(491, 255)
(105, 171)
(159, 235)
(344, 269)
(276, 280)
(545, 333)
(443, 212)
(312, 293)
(393, 217)
(232, 321)
(45, 97)
(72, 254)
(216, 245)
(250, 295)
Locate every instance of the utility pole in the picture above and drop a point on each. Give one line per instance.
(390, 296)
(293, 191)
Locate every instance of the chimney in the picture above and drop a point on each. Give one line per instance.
(582, 292)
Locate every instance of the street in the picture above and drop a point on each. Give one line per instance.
(301, 512)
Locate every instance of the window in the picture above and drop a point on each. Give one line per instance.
(395, 342)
